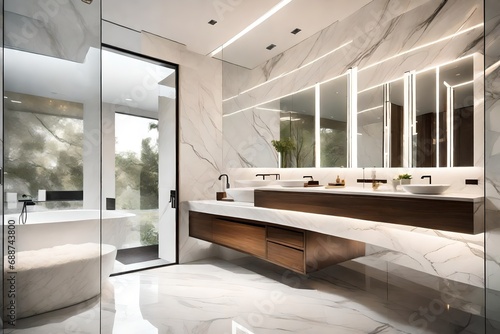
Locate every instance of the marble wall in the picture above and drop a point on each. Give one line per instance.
(200, 134)
(492, 163)
(384, 39)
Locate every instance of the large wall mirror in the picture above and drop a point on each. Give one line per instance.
(335, 104)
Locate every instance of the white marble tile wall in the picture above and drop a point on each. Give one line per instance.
(200, 133)
(492, 160)
(395, 38)
(37, 27)
(372, 41)
(250, 145)
(370, 144)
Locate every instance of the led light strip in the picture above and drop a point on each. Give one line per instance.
(292, 71)
(261, 19)
(424, 46)
(370, 109)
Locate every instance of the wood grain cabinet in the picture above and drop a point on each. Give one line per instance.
(298, 250)
(244, 237)
(440, 214)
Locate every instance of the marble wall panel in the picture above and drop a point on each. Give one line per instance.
(250, 146)
(370, 144)
(382, 39)
(200, 133)
(492, 162)
(37, 28)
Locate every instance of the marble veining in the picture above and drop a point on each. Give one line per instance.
(200, 132)
(492, 159)
(421, 249)
(250, 296)
(383, 40)
(37, 28)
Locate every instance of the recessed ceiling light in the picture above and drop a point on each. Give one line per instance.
(261, 19)
(128, 99)
(296, 31)
(212, 22)
(271, 46)
(15, 101)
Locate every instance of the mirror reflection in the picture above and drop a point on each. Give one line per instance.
(395, 105)
(389, 132)
(333, 122)
(297, 121)
(425, 140)
(456, 105)
(371, 127)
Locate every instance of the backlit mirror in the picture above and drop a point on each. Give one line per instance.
(333, 122)
(371, 127)
(426, 142)
(297, 124)
(456, 96)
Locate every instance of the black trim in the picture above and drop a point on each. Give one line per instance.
(142, 269)
(64, 195)
(128, 53)
(176, 67)
(371, 180)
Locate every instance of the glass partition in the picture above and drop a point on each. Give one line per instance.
(52, 171)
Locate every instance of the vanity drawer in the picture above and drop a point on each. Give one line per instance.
(286, 256)
(200, 226)
(247, 238)
(286, 237)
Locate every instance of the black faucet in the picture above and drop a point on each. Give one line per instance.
(427, 176)
(227, 180)
(264, 176)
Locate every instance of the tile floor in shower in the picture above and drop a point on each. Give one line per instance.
(247, 296)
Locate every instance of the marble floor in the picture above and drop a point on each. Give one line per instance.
(242, 297)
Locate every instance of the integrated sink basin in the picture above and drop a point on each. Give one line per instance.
(241, 194)
(291, 183)
(253, 183)
(426, 189)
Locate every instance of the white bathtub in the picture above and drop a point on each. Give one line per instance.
(59, 227)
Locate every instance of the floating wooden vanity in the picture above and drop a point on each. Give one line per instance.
(296, 249)
(440, 213)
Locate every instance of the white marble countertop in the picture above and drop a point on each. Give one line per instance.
(380, 192)
(421, 249)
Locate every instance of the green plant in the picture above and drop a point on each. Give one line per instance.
(149, 234)
(404, 177)
(283, 146)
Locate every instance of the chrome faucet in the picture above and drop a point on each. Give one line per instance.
(427, 176)
(227, 180)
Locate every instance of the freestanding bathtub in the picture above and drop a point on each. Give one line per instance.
(60, 227)
(59, 257)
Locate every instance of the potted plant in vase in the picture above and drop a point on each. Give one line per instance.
(283, 147)
(401, 179)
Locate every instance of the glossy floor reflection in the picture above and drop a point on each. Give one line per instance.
(254, 297)
(246, 296)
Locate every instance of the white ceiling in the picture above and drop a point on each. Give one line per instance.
(186, 22)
